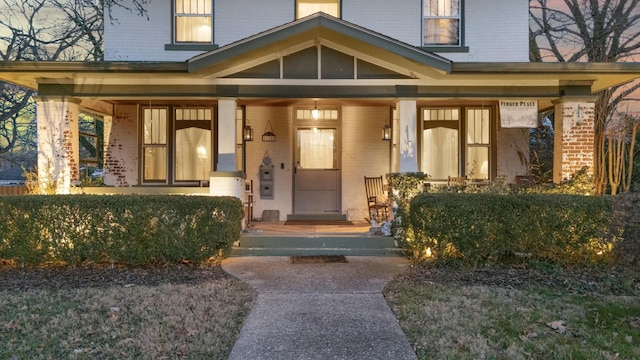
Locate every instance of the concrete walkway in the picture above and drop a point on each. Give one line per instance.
(319, 311)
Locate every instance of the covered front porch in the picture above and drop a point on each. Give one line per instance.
(295, 116)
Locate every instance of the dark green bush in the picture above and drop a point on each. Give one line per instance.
(133, 229)
(491, 228)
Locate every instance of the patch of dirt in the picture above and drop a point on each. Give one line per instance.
(95, 276)
(604, 281)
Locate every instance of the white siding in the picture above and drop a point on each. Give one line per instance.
(495, 30)
(513, 153)
(238, 19)
(280, 152)
(363, 154)
(401, 20)
(130, 37)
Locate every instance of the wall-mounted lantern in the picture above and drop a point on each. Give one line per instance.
(247, 133)
(386, 133)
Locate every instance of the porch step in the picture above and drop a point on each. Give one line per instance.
(283, 245)
(317, 217)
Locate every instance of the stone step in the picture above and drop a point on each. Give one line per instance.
(283, 245)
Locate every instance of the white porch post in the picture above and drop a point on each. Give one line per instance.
(407, 121)
(227, 180)
(57, 131)
(227, 135)
(573, 143)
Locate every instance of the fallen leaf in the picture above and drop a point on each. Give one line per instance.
(610, 356)
(628, 339)
(528, 334)
(12, 325)
(558, 325)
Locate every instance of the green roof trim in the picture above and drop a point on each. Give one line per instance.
(546, 68)
(94, 66)
(319, 20)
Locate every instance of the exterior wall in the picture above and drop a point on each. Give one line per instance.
(57, 131)
(495, 30)
(238, 19)
(121, 147)
(360, 143)
(363, 154)
(280, 151)
(131, 37)
(573, 139)
(513, 153)
(401, 20)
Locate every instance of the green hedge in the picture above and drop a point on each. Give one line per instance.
(490, 228)
(132, 229)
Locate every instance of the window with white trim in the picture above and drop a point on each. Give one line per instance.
(478, 144)
(440, 139)
(193, 21)
(177, 144)
(154, 144)
(457, 142)
(310, 7)
(441, 25)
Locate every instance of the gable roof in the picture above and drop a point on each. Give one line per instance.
(315, 28)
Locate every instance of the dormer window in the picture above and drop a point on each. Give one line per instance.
(310, 7)
(193, 21)
(442, 23)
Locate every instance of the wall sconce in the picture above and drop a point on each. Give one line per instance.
(247, 133)
(386, 133)
(315, 113)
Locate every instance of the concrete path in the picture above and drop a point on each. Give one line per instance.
(319, 311)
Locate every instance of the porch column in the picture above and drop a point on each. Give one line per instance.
(227, 135)
(57, 131)
(574, 135)
(407, 121)
(227, 180)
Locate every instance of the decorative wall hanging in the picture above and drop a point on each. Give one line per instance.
(268, 135)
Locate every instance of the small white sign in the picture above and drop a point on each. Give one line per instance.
(519, 113)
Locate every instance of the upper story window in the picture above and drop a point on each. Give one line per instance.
(441, 23)
(193, 21)
(309, 7)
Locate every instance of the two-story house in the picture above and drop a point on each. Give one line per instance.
(306, 97)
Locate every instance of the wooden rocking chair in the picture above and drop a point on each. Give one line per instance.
(377, 200)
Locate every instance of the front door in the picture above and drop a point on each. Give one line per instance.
(317, 170)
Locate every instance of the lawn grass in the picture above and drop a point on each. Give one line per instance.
(127, 321)
(481, 320)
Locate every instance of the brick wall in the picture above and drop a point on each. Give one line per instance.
(57, 129)
(574, 144)
(121, 147)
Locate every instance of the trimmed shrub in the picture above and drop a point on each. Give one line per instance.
(627, 249)
(491, 228)
(133, 229)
